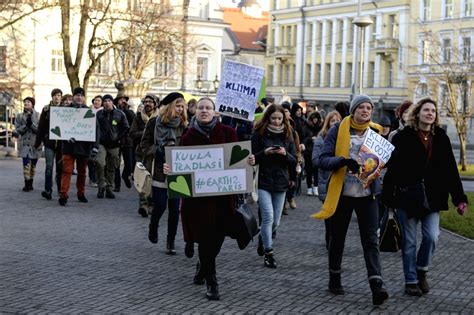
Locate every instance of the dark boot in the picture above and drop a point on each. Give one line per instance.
(422, 281)
(212, 288)
(269, 260)
(27, 186)
(30, 184)
(82, 198)
(413, 289)
(199, 278)
(46, 194)
(170, 248)
(62, 201)
(335, 286)
(142, 212)
(260, 249)
(109, 194)
(153, 233)
(189, 249)
(379, 294)
(101, 193)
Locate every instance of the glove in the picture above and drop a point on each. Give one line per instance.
(462, 207)
(352, 165)
(29, 122)
(94, 153)
(72, 140)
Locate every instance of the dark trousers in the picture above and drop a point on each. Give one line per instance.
(208, 251)
(311, 173)
(367, 217)
(160, 199)
(92, 166)
(127, 154)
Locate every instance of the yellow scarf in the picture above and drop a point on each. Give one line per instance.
(337, 179)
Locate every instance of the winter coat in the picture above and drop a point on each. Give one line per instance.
(81, 149)
(201, 214)
(329, 162)
(274, 169)
(323, 175)
(149, 148)
(27, 134)
(127, 140)
(113, 127)
(138, 127)
(408, 165)
(310, 131)
(43, 131)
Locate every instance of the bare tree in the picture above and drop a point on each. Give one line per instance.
(14, 11)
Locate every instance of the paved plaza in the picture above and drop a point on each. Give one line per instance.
(96, 258)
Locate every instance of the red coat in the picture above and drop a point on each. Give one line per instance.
(203, 217)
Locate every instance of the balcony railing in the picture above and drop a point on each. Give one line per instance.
(386, 45)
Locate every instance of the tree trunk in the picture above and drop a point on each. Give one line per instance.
(462, 152)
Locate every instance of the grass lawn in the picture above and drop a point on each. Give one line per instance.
(468, 172)
(462, 225)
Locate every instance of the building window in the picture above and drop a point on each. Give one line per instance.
(202, 65)
(317, 75)
(204, 11)
(373, 29)
(468, 7)
(389, 74)
(426, 10)
(327, 75)
(446, 50)
(3, 59)
(329, 33)
(448, 9)
(337, 79)
(350, 31)
(320, 34)
(393, 26)
(56, 60)
(288, 36)
(425, 51)
(339, 32)
(371, 78)
(307, 75)
(270, 76)
(103, 65)
(466, 49)
(164, 66)
(349, 74)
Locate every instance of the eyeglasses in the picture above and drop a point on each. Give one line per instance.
(144, 102)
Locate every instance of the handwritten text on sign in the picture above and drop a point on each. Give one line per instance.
(379, 145)
(206, 159)
(220, 181)
(69, 122)
(239, 89)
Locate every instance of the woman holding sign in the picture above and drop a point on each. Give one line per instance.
(275, 153)
(421, 174)
(161, 131)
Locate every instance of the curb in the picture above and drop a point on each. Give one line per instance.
(457, 235)
(467, 178)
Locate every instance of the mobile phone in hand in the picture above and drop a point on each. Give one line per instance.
(276, 147)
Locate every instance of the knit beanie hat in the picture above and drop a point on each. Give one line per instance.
(385, 121)
(171, 97)
(31, 99)
(153, 97)
(107, 97)
(78, 90)
(359, 99)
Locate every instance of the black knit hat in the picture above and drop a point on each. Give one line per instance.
(171, 97)
(31, 99)
(152, 97)
(107, 97)
(56, 91)
(78, 90)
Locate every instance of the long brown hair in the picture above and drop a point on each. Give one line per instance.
(168, 112)
(261, 125)
(413, 111)
(324, 130)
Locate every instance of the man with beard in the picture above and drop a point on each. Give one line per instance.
(126, 145)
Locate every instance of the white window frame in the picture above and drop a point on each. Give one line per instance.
(202, 72)
(57, 61)
(467, 8)
(445, 9)
(425, 10)
(3, 59)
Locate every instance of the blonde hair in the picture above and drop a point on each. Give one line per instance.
(413, 120)
(324, 130)
(168, 112)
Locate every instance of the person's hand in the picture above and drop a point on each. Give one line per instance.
(462, 207)
(302, 147)
(352, 165)
(166, 169)
(292, 184)
(72, 140)
(29, 122)
(94, 153)
(281, 151)
(270, 150)
(251, 160)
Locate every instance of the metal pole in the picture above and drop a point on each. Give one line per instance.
(361, 71)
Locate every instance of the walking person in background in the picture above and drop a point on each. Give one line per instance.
(402, 114)
(323, 175)
(191, 108)
(274, 150)
(346, 194)
(310, 130)
(92, 164)
(162, 131)
(126, 145)
(113, 127)
(79, 152)
(52, 148)
(149, 111)
(422, 173)
(26, 127)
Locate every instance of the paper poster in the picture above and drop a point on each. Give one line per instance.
(239, 90)
(373, 155)
(69, 122)
(209, 170)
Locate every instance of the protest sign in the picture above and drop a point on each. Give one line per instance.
(209, 170)
(373, 155)
(239, 90)
(70, 122)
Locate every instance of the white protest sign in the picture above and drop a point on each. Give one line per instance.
(238, 91)
(69, 122)
(220, 181)
(205, 159)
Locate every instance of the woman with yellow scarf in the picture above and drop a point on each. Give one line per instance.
(346, 194)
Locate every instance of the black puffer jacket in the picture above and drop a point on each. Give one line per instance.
(113, 126)
(273, 171)
(409, 165)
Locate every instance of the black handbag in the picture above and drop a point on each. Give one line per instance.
(245, 226)
(413, 200)
(390, 234)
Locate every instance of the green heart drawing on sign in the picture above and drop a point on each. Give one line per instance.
(57, 131)
(180, 186)
(238, 154)
(89, 114)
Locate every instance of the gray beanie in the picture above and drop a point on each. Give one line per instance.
(359, 99)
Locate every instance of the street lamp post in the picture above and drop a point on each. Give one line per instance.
(199, 83)
(216, 84)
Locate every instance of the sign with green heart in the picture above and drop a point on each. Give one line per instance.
(57, 131)
(71, 122)
(89, 114)
(179, 186)
(238, 154)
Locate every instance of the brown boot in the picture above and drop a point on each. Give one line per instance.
(422, 281)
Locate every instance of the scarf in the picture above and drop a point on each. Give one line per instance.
(337, 179)
(204, 128)
(275, 129)
(166, 132)
(145, 117)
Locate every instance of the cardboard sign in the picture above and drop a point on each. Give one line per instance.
(69, 122)
(239, 90)
(209, 170)
(373, 155)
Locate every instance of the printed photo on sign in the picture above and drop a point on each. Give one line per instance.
(69, 122)
(239, 90)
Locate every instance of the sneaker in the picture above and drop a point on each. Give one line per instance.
(309, 192)
(101, 193)
(142, 212)
(62, 201)
(47, 195)
(152, 233)
(82, 198)
(315, 191)
(269, 260)
(109, 194)
(94, 184)
(260, 249)
(285, 210)
(189, 250)
(413, 289)
(292, 203)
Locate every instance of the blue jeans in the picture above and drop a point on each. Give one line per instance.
(160, 199)
(49, 155)
(430, 234)
(271, 205)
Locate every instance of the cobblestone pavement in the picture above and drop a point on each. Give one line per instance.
(96, 258)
